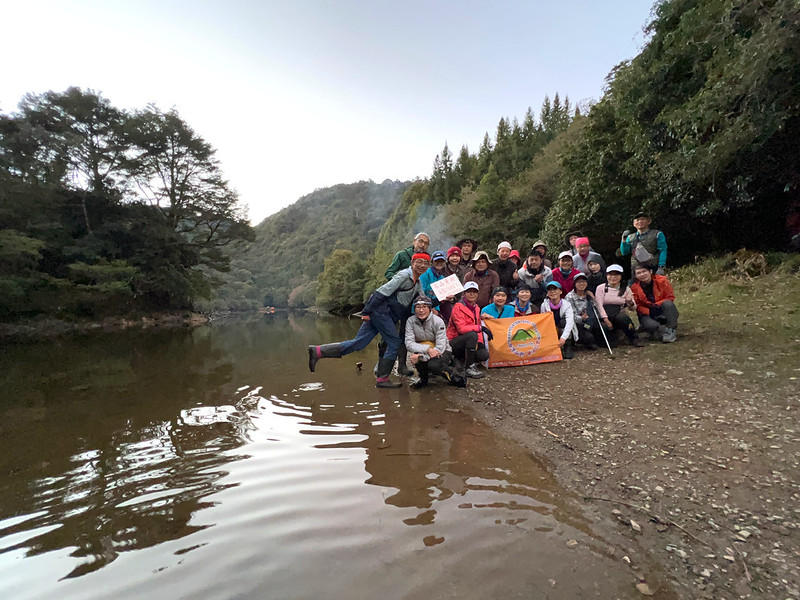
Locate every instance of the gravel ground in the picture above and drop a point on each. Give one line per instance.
(692, 451)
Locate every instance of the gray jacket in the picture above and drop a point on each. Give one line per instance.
(582, 266)
(431, 329)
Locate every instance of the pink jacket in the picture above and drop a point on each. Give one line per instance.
(612, 297)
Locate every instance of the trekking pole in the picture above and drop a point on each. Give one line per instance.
(600, 323)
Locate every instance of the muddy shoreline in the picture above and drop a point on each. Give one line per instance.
(691, 454)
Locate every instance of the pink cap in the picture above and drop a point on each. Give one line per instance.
(581, 241)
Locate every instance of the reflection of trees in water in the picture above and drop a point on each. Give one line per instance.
(94, 443)
(138, 490)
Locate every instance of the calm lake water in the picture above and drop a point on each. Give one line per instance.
(209, 463)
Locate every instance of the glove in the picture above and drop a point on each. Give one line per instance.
(660, 271)
(487, 333)
(625, 234)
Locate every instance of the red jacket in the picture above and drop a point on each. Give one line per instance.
(567, 283)
(463, 320)
(662, 290)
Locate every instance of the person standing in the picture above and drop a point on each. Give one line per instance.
(565, 273)
(646, 246)
(535, 274)
(505, 267)
(402, 260)
(584, 254)
(486, 278)
(468, 247)
(386, 307)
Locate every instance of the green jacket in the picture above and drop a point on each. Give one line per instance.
(401, 260)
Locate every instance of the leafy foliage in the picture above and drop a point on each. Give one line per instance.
(76, 237)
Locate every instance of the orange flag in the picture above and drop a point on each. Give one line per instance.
(523, 340)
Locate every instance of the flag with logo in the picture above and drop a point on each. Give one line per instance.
(524, 340)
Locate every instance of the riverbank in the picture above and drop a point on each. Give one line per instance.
(693, 448)
(46, 327)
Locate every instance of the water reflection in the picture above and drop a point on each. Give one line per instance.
(214, 466)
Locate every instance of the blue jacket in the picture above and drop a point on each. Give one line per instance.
(491, 309)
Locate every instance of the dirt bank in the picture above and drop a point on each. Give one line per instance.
(697, 442)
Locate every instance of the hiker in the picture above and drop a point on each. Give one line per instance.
(428, 347)
(468, 247)
(486, 278)
(522, 304)
(565, 273)
(564, 318)
(498, 309)
(436, 272)
(583, 254)
(454, 266)
(586, 319)
(386, 307)
(466, 334)
(514, 257)
(569, 241)
(655, 304)
(541, 248)
(505, 267)
(614, 300)
(646, 246)
(402, 260)
(535, 274)
(595, 276)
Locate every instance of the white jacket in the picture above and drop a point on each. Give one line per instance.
(569, 318)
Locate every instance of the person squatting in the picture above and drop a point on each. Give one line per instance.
(591, 303)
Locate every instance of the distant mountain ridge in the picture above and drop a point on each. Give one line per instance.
(280, 268)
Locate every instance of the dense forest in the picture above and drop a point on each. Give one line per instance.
(105, 211)
(701, 130)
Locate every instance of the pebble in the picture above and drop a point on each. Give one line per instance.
(572, 543)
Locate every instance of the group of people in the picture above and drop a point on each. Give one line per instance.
(447, 337)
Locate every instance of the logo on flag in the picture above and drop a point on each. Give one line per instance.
(523, 340)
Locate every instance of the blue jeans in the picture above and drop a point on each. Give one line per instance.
(380, 321)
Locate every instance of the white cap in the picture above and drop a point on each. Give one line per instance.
(565, 253)
(471, 285)
(614, 269)
(503, 245)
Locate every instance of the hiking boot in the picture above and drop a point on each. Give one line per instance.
(385, 382)
(382, 379)
(419, 383)
(567, 352)
(636, 342)
(670, 335)
(474, 372)
(325, 351)
(454, 378)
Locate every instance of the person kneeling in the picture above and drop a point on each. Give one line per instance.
(564, 318)
(466, 334)
(428, 347)
(584, 309)
(655, 304)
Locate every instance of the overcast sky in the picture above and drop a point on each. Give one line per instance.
(298, 95)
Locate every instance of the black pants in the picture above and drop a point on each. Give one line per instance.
(465, 342)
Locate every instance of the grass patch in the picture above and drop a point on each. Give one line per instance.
(742, 308)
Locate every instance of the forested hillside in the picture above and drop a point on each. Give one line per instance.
(281, 267)
(105, 211)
